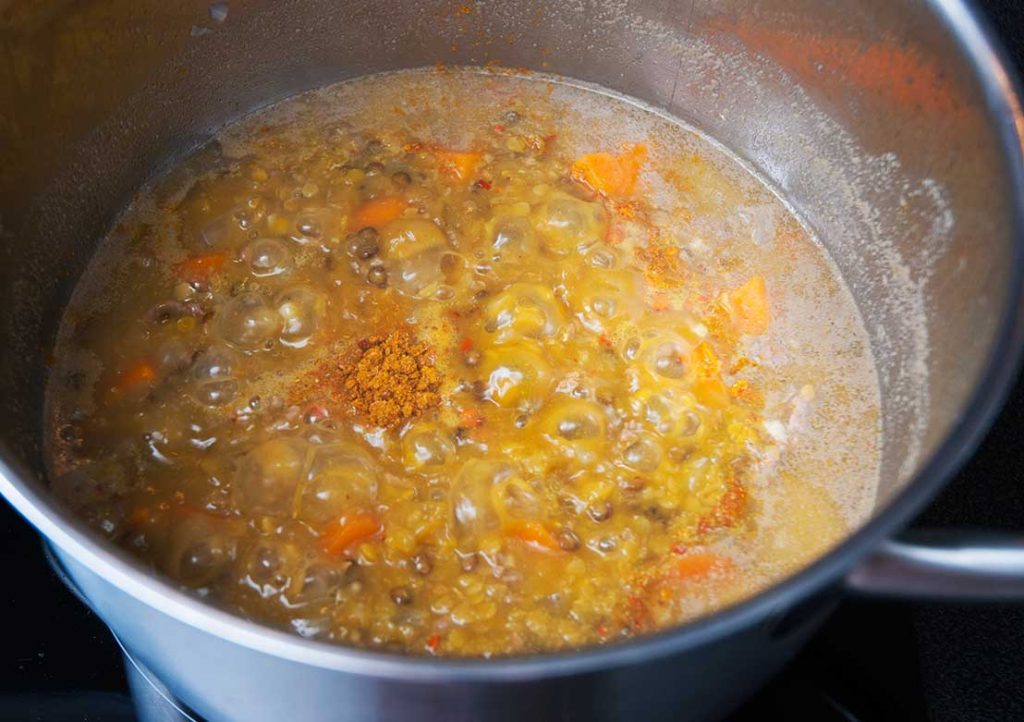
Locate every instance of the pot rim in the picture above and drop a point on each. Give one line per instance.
(1001, 93)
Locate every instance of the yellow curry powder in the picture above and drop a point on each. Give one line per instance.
(385, 379)
(393, 378)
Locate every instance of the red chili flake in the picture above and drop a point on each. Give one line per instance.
(499, 128)
(466, 345)
(471, 418)
(679, 549)
(602, 630)
(604, 341)
(316, 412)
(433, 642)
(486, 185)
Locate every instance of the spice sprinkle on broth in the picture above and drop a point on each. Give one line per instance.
(548, 372)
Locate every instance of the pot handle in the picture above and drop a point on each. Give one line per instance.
(944, 565)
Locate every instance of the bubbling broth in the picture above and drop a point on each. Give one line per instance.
(464, 363)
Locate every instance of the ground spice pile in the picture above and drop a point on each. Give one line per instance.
(393, 378)
(385, 379)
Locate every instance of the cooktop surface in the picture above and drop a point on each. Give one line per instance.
(871, 661)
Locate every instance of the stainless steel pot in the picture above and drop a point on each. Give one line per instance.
(893, 127)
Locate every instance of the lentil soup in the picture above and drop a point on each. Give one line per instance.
(464, 363)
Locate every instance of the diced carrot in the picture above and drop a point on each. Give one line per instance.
(349, 531)
(611, 175)
(750, 307)
(377, 212)
(458, 164)
(533, 533)
(199, 268)
(137, 376)
(696, 565)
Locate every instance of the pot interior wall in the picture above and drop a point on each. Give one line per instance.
(864, 115)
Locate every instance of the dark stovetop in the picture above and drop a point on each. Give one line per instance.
(872, 660)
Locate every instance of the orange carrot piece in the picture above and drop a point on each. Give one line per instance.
(533, 533)
(611, 175)
(349, 531)
(200, 267)
(142, 373)
(458, 164)
(750, 307)
(697, 565)
(376, 213)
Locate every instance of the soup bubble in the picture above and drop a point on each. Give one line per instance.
(247, 322)
(267, 257)
(301, 308)
(267, 476)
